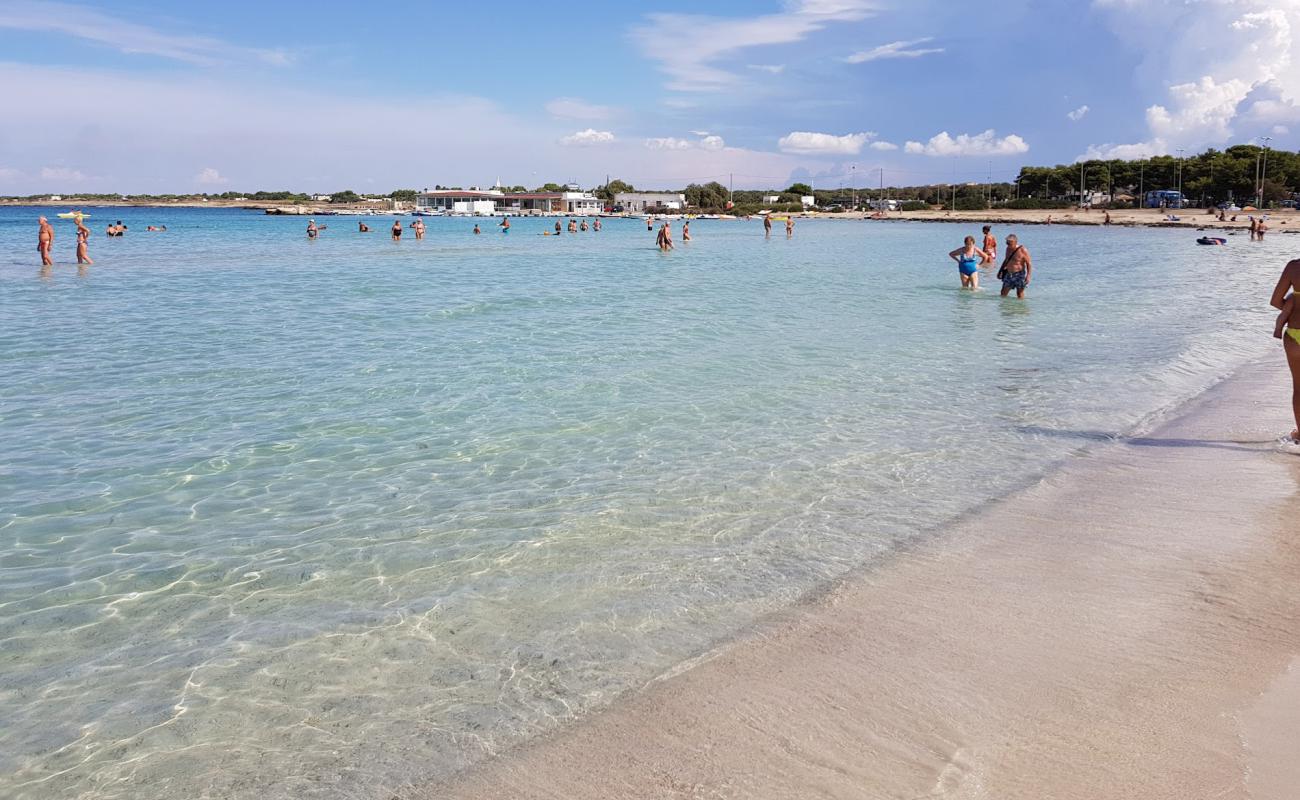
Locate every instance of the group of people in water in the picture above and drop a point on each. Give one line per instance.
(1017, 267)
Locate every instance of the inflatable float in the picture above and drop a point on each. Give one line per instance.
(72, 215)
(1211, 240)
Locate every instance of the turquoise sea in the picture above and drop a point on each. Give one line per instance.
(284, 518)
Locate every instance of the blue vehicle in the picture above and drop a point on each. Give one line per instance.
(1164, 198)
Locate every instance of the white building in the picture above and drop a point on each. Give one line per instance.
(458, 201)
(638, 202)
(808, 201)
(321, 198)
(771, 198)
(576, 202)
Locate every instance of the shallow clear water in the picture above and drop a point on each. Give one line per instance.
(282, 518)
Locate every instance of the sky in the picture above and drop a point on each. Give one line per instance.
(175, 97)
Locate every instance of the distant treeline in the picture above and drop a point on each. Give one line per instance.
(1211, 177)
(1237, 173)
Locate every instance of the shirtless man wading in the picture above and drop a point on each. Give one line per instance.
(45, 242)
(1017, 269)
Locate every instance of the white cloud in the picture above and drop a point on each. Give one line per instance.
(688, 47)
(1281, 130)
(672, 143)
(154, 131)
(981, 144)
(62, 174)
(209, 177)
(587, 137)
(773, 69)
(573, 108)
(699, 133)
(883, 146)
(907, 49)
(85, 22)
(667, 143)
(1124, 152)
(809, 143)
(9, 174)
(1078, 113)
(1227, 70)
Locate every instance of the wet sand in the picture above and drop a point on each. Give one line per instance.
(1127, 628)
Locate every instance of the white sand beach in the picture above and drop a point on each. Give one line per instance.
(1126, 628)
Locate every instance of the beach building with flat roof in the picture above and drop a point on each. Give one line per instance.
(458, 201)
(637, 202)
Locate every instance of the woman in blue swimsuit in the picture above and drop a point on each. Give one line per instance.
(968, 258)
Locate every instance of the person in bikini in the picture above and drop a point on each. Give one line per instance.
(397, 230)
(968, 258)
(990, 245)
(1285, 301)
(83, 239)
(1017, 268)
(686, 231)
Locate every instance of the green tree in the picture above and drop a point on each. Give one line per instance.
(345, 196)
(800, 189)
(549, 187)
(403, 195)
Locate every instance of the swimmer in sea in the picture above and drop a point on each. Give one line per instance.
(968, 258)
(45, 241)
(583, 226)
(573, 225)
(312, 230)
(1254, 227)
(1260, 229)
(649, 223)
(990, 245)
(767, 224)
(83, 237)
(363, 227)
(397, 230)
(595, 226)
(418, 227)
(789, 227)
(558, 228)
(505, 225)
(686, 231)
(476, 230)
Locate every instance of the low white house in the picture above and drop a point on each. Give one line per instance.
(771, 198)
(808, 201)
(321, 198)
(637, 202)
(577, 202)
(458, 201)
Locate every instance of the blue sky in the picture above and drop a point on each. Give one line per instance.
(170, 96)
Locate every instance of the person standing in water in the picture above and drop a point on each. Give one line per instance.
(312, 230)
(1254, 227)
(1260, 228)
(418, 227)
(558, 228)
(476, 230)
(1284, 299)
(397, 230)
(686, 231)
(505, 225)
(968, 258)
(789, 227)
(45, 241)
(83, 238)
(363, 227)
(583, 226)
(665, 237)
(990, 245)
(573, 225)
(1017, 268)
(767, 224)
(595, 225)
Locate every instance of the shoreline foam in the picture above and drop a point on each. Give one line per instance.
(1110, 631)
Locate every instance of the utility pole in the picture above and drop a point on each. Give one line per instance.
(1142, 198)
(882, 188)
(853, 179)
(731, 188)
(1263, 173)
(1082, 170)
(989, 187)
(1180, 177)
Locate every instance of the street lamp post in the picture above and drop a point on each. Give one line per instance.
(1180, 177)
(853, 178)
(1263, 173)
